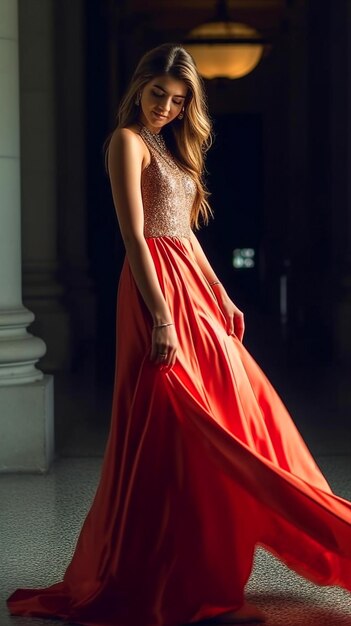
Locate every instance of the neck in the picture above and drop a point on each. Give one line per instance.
(152, 130)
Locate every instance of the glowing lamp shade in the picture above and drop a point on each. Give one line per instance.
(224, 49)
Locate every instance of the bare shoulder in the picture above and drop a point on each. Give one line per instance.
(126, 136)
(126, 141)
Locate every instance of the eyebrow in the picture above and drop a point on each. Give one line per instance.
(164, 90)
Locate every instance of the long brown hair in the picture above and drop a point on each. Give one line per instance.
(189, 138)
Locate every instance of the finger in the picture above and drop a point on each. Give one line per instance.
(153, 352)
(173, 357)
(240, 333)
(156, 348)
(158, 356)
(161, 355)
(239, 320)
(157, 360)
(171, 360)
(239, 326)
(230, 326)
(168, 363)
(162, 360)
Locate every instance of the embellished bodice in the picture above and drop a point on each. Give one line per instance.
(168, 192)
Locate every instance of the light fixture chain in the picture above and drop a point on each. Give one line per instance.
(222, 11)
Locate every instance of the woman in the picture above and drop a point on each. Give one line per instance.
(203, 461)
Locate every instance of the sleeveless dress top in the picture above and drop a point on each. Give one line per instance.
(168, 192)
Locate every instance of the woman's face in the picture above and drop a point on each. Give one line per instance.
(162, 100)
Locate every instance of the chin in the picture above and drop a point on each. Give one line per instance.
(159, 120)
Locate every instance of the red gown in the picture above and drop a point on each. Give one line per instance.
(202, 463)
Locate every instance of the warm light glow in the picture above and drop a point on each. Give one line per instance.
(229, 60)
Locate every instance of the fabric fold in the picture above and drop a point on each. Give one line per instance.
(203, 463)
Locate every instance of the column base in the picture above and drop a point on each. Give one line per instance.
(53, 326)
(44, 295)
(27, 426)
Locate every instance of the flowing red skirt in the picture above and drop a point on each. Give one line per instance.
(202, 464)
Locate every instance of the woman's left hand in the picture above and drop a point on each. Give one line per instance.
(234, 317)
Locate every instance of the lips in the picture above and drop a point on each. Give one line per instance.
(159, 116)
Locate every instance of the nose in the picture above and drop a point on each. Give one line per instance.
(166, 105)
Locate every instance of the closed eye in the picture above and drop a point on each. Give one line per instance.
(160, 95)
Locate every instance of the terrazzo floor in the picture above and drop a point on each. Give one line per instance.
(41, 517)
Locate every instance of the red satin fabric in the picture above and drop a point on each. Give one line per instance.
(202, 464)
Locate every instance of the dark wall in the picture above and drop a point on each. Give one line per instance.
(105, 244)
(269, 173)
(235, 180)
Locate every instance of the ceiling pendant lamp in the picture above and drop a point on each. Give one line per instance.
(225, 49)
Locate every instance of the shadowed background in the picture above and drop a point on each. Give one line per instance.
(278, 174)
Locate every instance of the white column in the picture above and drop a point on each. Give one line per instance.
(26, 415)
(43, 291)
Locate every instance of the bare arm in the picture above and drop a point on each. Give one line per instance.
(233, 315)
(125, 161)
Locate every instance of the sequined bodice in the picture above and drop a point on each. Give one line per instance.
(168, 192)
